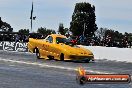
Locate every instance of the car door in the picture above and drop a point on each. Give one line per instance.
(49, 45)
(52, 49)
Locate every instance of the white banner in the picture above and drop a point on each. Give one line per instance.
(13, 46)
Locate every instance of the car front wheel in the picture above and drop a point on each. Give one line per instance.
(62, 57)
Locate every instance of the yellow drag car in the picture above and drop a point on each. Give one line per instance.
(58, 47)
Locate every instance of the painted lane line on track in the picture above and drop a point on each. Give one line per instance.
(52, 66)
(17, 52)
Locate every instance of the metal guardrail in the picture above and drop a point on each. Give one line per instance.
(13, 46)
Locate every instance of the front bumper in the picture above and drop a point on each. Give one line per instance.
(81, 58)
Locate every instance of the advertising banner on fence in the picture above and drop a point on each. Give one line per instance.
(13, 46)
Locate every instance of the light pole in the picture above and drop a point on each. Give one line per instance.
(32, 17)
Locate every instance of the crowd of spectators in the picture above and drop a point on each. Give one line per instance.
(16, 37)
(105, 41)
(89, 41)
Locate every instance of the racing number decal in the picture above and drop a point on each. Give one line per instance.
(45, 47)
(50, 49)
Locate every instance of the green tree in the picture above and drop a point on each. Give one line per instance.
(66, 30)
(105, 32)
(45, 31)
(23, 31)
(5, 26)
(128, 35)
(100, 33)
(115, 35)
(83, 20)
(61, 29)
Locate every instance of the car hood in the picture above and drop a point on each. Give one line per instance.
(76, 50)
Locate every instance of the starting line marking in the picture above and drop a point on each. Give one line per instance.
(52, 66)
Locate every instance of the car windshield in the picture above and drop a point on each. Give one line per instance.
(62, 40)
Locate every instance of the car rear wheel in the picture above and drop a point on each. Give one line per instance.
(50, 57)
(62, 57)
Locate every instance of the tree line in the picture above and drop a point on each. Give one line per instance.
(83, 23)
(5, 26)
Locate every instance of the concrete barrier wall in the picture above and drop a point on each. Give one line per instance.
(13, 46)
(111, 53)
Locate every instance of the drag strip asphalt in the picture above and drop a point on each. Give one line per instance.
(23, 70)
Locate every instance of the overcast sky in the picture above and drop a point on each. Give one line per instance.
(113, 14)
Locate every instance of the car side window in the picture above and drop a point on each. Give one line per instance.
(50, 39)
